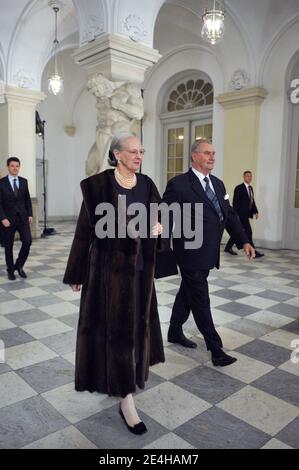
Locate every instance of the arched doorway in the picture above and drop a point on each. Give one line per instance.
(187, 115)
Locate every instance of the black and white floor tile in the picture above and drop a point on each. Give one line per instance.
(187, 403)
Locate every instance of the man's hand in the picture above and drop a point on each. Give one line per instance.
(6, 223)
(76, 288)
(30, 220)
(249, 251)
(157, 229)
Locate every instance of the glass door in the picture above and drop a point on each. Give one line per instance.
(177, 148)
(201, 130)
(178, 139)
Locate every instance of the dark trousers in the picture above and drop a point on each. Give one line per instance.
(248, 230)
(1, 235)
(139, 309)
(194, 295)
(8, 237)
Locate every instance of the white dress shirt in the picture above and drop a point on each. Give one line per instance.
(201, 178)
(247, 187)
(11, 180)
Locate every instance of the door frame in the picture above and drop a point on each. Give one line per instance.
(185, 119)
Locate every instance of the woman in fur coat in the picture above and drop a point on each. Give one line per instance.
(119, 334)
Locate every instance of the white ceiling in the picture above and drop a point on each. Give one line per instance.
(27, 29)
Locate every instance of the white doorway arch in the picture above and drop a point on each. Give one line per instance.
(175, 65)
(186, 114)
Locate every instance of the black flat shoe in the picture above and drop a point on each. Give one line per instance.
(231, 252)
(182, 340)
(11, 276)
(21, 272)
(223, 360)
(258, 254)
(138, 429)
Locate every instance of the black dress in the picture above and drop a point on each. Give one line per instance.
(140, 194)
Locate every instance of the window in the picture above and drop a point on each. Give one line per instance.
(204, 132)
(175, 152)
(189, 95)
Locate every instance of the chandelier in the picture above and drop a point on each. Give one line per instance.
(55, 82)
(213, 28)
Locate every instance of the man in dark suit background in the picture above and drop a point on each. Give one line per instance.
(15, 215)
(199, 186)
(244, 205)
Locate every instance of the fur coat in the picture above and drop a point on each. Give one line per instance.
(105, 355)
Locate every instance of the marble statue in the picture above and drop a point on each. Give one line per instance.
(119, 106)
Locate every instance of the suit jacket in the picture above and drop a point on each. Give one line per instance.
(241, 202)
(187, 188)
(10, 205)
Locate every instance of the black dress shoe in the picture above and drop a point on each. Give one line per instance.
(258, 254)
(231, 252)
(11, 276)
(21, 272)
(222, 359)
(139, 428)
(180, 338)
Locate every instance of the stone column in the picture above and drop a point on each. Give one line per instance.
(18, 137)
(241, 133)
(117, 66)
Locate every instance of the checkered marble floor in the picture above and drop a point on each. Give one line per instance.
(188, 403)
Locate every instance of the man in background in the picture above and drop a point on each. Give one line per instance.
(244, 205)
(15, 215)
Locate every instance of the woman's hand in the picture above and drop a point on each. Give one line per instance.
(157, 229)
(6, 223)
(76, 288)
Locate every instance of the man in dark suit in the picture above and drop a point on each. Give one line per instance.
(15, 215)
(199, 186)
(244, 205)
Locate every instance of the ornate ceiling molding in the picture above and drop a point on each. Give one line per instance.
(133, 27)
(94, 28)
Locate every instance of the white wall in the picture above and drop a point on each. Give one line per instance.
(273, 169)
(67, 155)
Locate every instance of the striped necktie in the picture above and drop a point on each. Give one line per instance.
(15, 187)
(213, 198)
(250, 197)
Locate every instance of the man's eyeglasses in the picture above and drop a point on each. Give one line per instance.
(135, 152)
